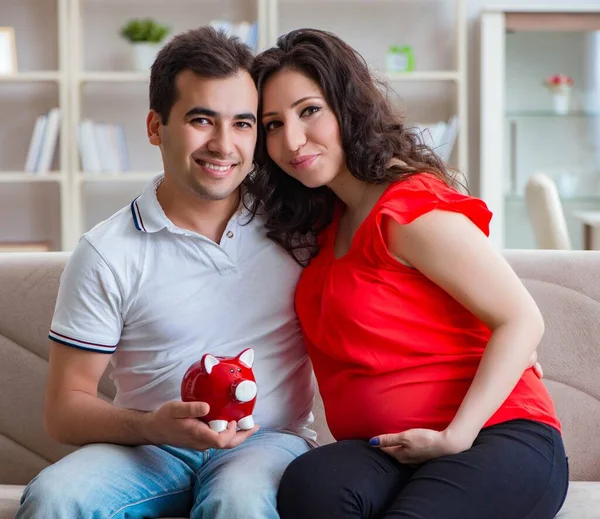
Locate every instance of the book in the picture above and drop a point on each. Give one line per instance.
(103, 147)
(122, 147)
(88, 150)
(247, 32)
(35, 145)
(48, 148)
(440, 136)
(448, 140)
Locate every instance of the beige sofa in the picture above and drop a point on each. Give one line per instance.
(565, 284)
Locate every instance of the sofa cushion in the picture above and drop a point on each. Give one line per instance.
(566, 286)
(583, 501)
(10, 496)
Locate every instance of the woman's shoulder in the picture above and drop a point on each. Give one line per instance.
(418, 183)
(411, 197)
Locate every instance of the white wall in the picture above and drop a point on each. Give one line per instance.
(372, 26)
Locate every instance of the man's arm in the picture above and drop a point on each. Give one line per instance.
(74, 414)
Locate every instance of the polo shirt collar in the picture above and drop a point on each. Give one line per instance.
(148, 215)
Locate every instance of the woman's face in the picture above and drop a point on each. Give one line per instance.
(302, 132)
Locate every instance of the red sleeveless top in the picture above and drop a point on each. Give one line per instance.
(391, 350)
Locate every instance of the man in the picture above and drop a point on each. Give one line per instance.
(180, 272)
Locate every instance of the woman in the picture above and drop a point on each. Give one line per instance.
(419, 331)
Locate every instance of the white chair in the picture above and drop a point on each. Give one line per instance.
(546, 213)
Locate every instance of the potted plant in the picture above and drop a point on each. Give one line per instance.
(560, 86)
(146, 37)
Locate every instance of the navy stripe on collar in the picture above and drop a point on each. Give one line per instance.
(137, 216)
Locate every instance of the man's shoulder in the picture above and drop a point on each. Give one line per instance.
(115, 236)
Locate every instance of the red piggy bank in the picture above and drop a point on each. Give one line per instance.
(227, 385)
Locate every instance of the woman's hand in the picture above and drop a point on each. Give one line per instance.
(417, 446)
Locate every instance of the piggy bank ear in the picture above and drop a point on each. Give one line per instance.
(247, 357)
(209, 362)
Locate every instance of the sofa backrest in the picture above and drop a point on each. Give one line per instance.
(566, 286)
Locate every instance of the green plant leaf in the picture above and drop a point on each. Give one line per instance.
(144, 30)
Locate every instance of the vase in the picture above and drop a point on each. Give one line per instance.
(143, 55)
(561, 100)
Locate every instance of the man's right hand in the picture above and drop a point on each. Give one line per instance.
(535, 365)
(176, 423)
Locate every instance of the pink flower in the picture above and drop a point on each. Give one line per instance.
(558, 80)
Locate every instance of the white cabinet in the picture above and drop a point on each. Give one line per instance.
(523, 131)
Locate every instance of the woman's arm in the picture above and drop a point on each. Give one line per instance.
(450, 250)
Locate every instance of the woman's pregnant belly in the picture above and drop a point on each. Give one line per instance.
(363, 406)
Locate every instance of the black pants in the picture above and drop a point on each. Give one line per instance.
(515, 470)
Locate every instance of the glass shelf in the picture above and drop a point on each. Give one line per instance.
(550, 115)
(588, 199)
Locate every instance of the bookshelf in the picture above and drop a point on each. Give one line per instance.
(104, 86)
(16, 177)
(129, 176)
(38, 204)
(22, 77)
(81, 65)
(446, 75)
(113, 77)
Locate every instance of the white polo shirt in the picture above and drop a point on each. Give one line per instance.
(158, 297)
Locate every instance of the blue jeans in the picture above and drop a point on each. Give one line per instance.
(103, 481)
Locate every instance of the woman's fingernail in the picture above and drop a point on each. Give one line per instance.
(374, 442)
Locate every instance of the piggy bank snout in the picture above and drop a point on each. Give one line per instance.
(245, 391)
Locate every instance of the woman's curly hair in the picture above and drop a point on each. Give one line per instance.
(372, 135)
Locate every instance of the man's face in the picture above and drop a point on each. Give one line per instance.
(208, 143)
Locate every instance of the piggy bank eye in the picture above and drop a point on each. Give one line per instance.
(232, 370)
(240, 370)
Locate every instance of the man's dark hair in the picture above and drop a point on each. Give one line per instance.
(206, 52)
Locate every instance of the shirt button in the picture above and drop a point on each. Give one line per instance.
(229, 234)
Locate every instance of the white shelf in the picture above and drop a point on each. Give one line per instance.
(444, 75)
(22, 77)
(150, 2)
(542, 9)
(127, 176)
(114, 77)
(368, 2)
(22, 176)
